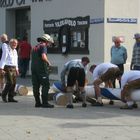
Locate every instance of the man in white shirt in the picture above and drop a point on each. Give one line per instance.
(104, 72)
(9, 66)
(129, 81)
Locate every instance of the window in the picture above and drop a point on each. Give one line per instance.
(70, 35)
(55, 38)
(79, 40)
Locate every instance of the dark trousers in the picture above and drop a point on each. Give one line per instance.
(76, 74)
(10, 77)
(40, 79)
(121, 67)
(23, 66)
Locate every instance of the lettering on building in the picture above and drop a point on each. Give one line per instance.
(10, 3)
(72, 22)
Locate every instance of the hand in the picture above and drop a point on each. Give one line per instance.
(17, 72)
(64, 88)
(2, 71)
(50, 69)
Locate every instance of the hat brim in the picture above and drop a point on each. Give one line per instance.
(39, 39)
(136, 38)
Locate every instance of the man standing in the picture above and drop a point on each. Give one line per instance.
(118, 55)
(76, 72)
(104, 72)
(24, 51)
(9, 66)
(135, 62)
(39, 69)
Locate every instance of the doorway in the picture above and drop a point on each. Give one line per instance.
(23, 23)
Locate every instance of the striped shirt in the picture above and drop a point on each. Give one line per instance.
(136, 55)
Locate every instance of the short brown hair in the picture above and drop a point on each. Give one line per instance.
(85, 59)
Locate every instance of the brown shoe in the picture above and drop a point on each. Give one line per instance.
(12, 100)
(98, 104)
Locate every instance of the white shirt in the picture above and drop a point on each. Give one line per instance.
(129, 76)
(101, 69)
(9, 56)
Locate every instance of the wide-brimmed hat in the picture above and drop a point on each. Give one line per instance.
(137, 35)
(46, 38)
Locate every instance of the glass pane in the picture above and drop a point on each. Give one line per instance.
(78, 39)
(55, 38)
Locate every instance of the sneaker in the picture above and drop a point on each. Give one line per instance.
(126, 107)
(84, 105)
(91, 100)
(38, 105)
(69, 106)
(47, 105)
(135, 105)
(97, 104)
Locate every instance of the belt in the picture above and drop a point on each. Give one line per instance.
(8, 66)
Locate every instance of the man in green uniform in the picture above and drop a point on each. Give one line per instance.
(39, 69)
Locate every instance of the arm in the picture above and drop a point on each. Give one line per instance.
(62, 75)
(125, 55)
(133, 59)
(45, 58)
(16, 61)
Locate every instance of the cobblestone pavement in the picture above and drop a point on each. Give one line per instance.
(22, 121)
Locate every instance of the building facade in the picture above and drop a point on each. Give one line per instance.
(79, 27)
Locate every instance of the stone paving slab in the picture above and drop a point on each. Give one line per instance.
(22, 121)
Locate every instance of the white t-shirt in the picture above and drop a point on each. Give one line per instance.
(101, 69)
(129, 76)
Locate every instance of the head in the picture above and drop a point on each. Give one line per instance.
(137, 37)
(4, 38)
(92, 67)
(47, 39)
(85, 61)
(117, 41)
(13, 43)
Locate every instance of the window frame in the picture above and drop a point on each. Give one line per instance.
(57, 30)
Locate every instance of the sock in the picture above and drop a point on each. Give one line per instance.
(99, 99)
(83, 94)
(129, 103)
(69, 98)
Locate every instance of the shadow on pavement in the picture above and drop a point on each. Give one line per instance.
(25, 107)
